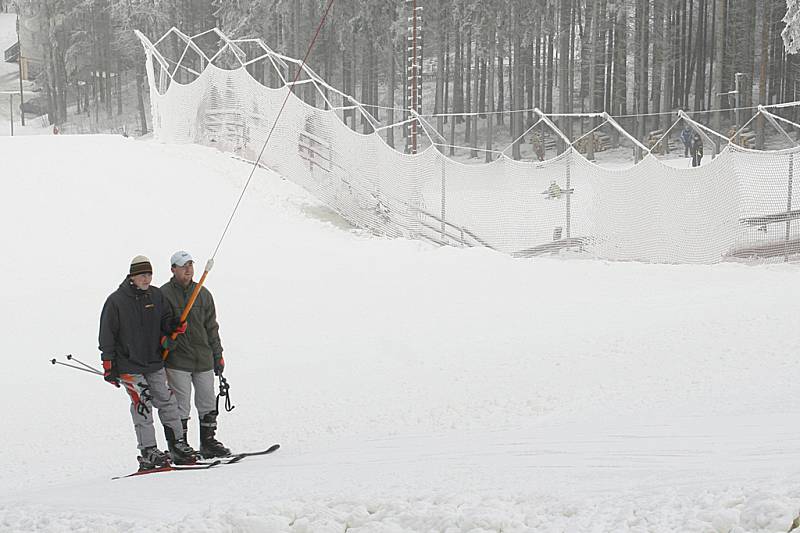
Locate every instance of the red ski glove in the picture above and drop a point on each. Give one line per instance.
(219, 364)
(180, 329)
(110, 373)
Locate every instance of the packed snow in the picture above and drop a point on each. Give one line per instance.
(412, 388)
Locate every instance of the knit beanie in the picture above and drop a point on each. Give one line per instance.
(140, 265)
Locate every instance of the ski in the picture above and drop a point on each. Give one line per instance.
(236, 457)
(271, 449)
(170, 468)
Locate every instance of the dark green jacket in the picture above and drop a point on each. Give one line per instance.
(131, 326)
(196, 349)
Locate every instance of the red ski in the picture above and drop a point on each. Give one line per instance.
(171, 468)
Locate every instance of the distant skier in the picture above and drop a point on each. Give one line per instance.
(538, 147)
(56, 131)
(686, 138)
(132, 323)
(697, 150)
(197, 355)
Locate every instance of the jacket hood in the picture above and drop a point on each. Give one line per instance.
(129, 289)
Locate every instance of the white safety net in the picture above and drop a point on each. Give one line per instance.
(738, 206)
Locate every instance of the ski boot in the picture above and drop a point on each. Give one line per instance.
(152, 458)
(209, 446)
(179, 450)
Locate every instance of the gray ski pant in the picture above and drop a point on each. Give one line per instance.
(147, 391)
(205, 400)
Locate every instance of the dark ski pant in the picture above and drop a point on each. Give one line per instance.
(147, 391)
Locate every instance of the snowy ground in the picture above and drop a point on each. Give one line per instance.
(412, 388)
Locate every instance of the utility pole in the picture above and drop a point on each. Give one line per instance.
(414, 80)
(19, 63)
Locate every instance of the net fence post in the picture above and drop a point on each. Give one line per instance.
(788, 209)
(569, 194)
(444, 197)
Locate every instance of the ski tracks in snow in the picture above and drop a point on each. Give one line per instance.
(665, 473)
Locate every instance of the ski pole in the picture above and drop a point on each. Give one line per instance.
(190, 303)
(70, 357)
(76, 367)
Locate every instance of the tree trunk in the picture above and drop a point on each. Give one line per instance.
(468, 86)
(538, 62)
(620, 88)
(368, 70)
(119, 87)
(107, 64)
(140, 96)
(550, 73)
(500, 90)
(458, 81)
(492, 54)
(482, 90)
(658, 59)
(571, 65)
(609, 60)
(438, 108)
(719, 37)
(475, 88)
(591, 30)
(700, 62)
(621, 68)
(447, 69)
(762, 81)
(517, 71)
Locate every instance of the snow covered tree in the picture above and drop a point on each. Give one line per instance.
(791, 33)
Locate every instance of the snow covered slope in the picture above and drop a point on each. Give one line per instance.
(412, 388)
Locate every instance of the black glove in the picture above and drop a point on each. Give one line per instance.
(110, 372)
(219, 364)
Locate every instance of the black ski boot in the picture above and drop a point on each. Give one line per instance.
(179, 450)
(209, 446)
(152, 458)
